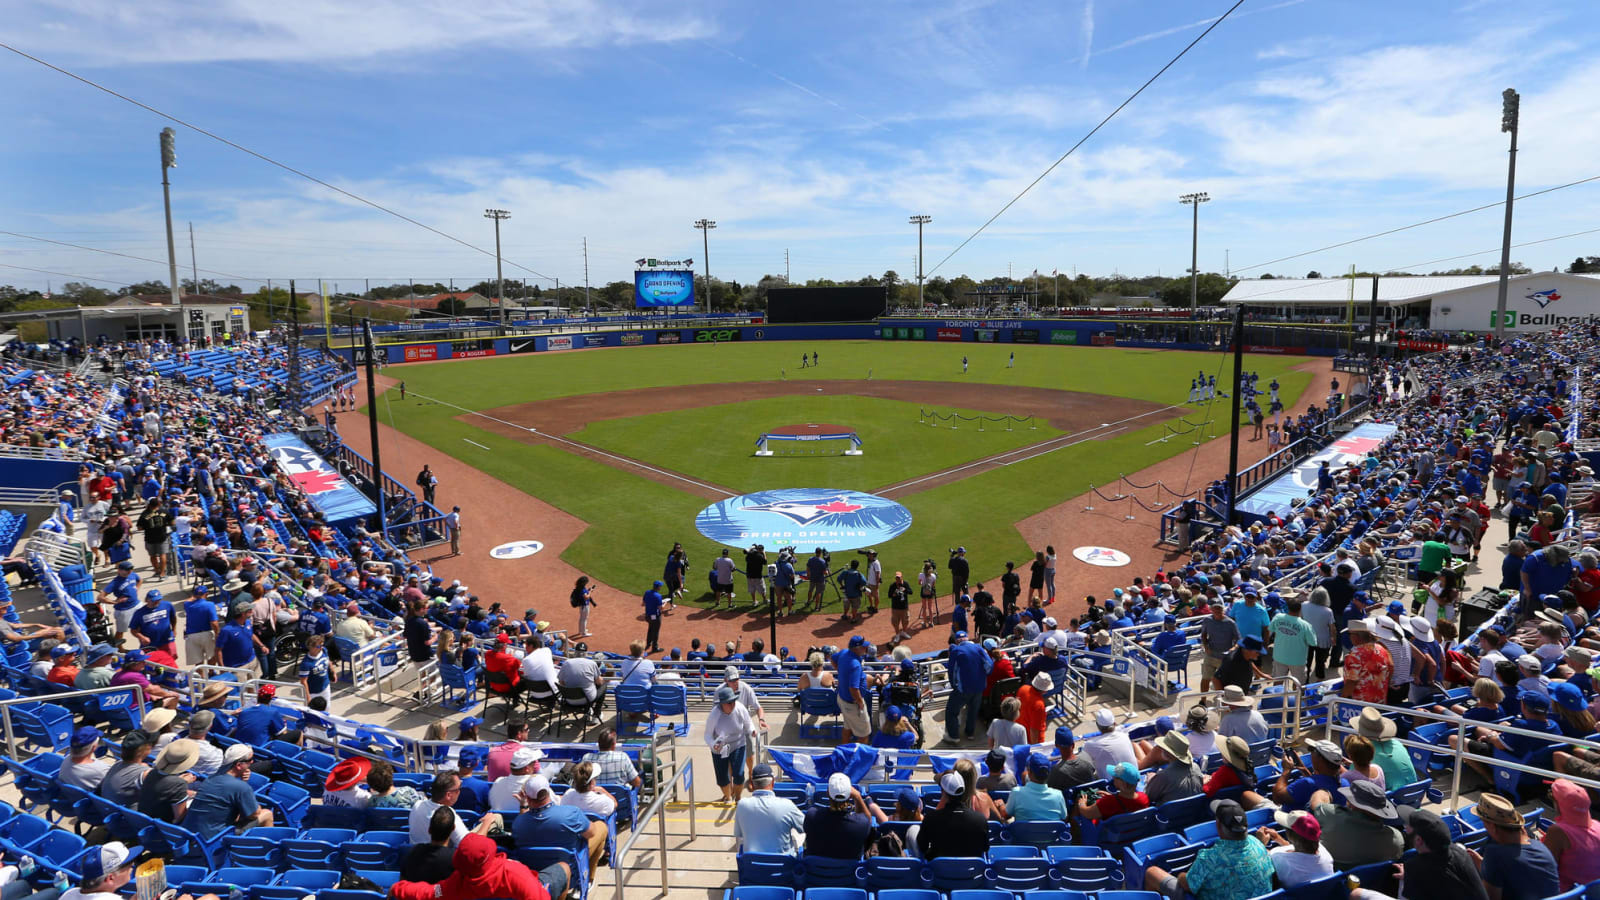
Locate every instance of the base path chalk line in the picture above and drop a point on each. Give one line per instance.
(474, 443)
(584, 447)
(1040, 449)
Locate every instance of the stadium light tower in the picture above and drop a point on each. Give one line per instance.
(1509, 114)
(920, 221)
(169, 160)
(1194, 248)
(499, 274)
(705, 226)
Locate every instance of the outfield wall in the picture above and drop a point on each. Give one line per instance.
(1060, 332)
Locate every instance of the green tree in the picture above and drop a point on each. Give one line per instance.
(87, 295)
(146, 287)
(209, 286)
(1585, 264)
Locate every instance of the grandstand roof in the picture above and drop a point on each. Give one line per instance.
(1393, 290)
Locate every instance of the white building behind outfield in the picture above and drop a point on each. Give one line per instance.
(1536, 302)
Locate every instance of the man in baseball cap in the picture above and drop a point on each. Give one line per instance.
(1235, 866)
(106, 869)
(1036, 801)
(1297, 855)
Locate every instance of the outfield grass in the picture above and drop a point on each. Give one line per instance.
(633, 521)
(717, 443)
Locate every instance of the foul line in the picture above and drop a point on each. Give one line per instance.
(474, 443)
(1081, 436)
(581, 446)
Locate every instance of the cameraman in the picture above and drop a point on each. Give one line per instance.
(853, 585)
(817, 575)
(960, 570)
(755, 573)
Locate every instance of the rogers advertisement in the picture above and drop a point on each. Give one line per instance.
(948, 334)
(472, 354)
(563, 342)
(423, 353)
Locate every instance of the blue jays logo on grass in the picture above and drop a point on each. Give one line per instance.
(805, 517)
(1544, 298)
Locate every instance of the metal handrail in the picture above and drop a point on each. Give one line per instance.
(5, 706)
(51, 453)
(1290, 714)
(657, 808)
(1461, 754)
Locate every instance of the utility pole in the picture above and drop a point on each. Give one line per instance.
(1509, 115)
(372, 426)
(919, 221)
(1233, 438)
(194, 267)
(705, 226)
(786, 265)
(169, 159)
(588, 307)
(499, 276)
(1194, 249)
(1227, 263)
(293, 383)
(269, 305)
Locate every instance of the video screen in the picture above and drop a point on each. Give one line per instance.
(663, 287)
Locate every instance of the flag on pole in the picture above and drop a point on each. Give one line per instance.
(1036, 273)
(1054, 273)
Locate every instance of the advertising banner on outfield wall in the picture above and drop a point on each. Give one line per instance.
(594, 340)
(1024, 335)
(422, 353)
(522, 345)
(949, 334)
(985, 335)
(632, 338)
(668, 337)
(717, 335)
(471, 354)
(1063, 335)
(563, 342)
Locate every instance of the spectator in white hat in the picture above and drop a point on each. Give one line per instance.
(1111, 745)
(524, 762)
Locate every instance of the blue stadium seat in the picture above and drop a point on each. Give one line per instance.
(316, 848)
(823, 871)
(981, 894)
(1019, 875)
(893, 872)
(374, 850)
(1176, 815)
(1036, 834)
(832, 893)
(295, 884)
(1085, 868)
(768, 868)
(1329, 887)
(954, 873)
(258, 847)
(908, 894)
(222, 882)
(758, 892)
(1013, 851)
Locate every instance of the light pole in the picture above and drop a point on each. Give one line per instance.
(1194, 249)
(1508, 123)
(499, 276)
(169, 159)
(705, 226)
(919, 221)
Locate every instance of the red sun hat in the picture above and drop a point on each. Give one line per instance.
(348, 773)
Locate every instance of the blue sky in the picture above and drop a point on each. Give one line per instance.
(816, 128)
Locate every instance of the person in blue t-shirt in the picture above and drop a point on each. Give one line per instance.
(652, 616)
(854, 585)
(122, 592)
(1250, 616)
(1327, 762)
(200, 627)
(545, 823)
(851, 687)
(1169, 638)
(153, 624)
(256, 725)
(237, 643)
(315, 670)
(225, 801)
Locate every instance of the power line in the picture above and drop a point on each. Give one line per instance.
(266, 159)
(1547, 240)
(63, 274)
(124, 255)
(1081, 141)
(1431, 221)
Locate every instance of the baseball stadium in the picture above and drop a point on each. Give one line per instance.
(1226, 587)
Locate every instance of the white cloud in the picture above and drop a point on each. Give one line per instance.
(334, 32)
(1088, 31)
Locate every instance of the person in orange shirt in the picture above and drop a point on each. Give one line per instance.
(64, 665)
(1033, 716)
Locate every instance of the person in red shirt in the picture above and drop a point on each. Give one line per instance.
(504, 670)
(1003, 668)
(482, 871)
(1367, 667)
(1588, 583)
(1124, 798)
(64, 666)
(1236, 771)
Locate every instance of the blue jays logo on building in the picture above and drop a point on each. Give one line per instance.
(805, 517)
(1544, 298)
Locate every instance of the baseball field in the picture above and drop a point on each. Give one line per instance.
(635, 441)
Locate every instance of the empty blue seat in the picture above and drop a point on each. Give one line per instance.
(374, 850)
(909, 894)
(823, 871)
(955, 873)
(295, 884)
(758, 892)
(257, 848)
(768, 868)
(835, 893)
(1018, 875)
(316, 848)
(1013, 851)
(981, 894)
(1084, 868)
(1036, 834)
(883, 873)
(223, 881)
